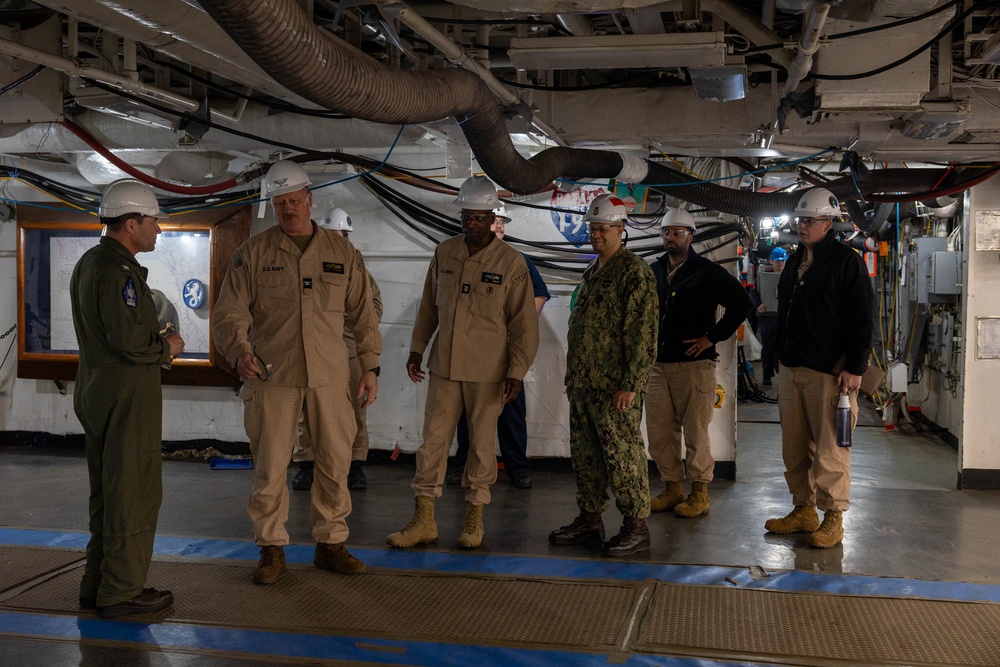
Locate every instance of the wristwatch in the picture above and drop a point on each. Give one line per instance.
(376, 370)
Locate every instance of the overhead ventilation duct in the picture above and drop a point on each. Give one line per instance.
(359, 86)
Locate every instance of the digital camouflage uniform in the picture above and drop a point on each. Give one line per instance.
(612, 346)
(117, 398)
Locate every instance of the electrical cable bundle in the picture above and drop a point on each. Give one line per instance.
(747, 388)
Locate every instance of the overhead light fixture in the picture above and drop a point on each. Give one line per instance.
(126, 109)
(719, 84)
(698, 49)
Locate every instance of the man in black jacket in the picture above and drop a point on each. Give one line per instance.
(823, 340)
(681, 389)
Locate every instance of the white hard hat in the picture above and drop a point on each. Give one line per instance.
(129, 196)
(607, 208)
(817, 202)
(502, 214)
(678, 217)
(477, 194)
(337, 220)
(283, 177)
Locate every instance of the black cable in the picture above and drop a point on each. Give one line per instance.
(593, 86)
(528, 21)
(17, 82)
(899, 61)
(280, 106)
(864, 31)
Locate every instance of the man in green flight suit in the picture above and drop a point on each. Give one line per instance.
(612, 346)
(118, 401)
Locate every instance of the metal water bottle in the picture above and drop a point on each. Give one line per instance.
(844, 421)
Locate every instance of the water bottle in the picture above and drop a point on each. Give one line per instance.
(844, 421)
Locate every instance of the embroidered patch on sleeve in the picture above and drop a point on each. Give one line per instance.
(237, 260)
(129, 295)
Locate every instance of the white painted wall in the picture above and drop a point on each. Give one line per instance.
(398, 258)
(980, 430)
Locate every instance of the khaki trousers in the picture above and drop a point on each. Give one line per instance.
(359, 450)
(818, 472)
(483, 402)
(679, 400)
(271, 417)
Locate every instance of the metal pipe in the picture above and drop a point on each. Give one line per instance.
(77, 68)
(457, 56)
(181, 31)
(808, 45)
(767, 12)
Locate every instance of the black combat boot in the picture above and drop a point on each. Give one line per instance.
(356, 479)
(584, 528)
(632, 538)
(303, 480)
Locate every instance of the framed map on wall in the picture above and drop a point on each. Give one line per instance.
(185, 274)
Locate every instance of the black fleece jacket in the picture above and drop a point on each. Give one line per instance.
(828, 314)
(688, 306)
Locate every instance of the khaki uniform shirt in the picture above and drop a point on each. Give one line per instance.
(113, 310)
(352, 346)
(291, 308)
(483, 310)
(613, 326)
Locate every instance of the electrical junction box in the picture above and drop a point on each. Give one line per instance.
(945, 275)
(897, 377)
(918, 268)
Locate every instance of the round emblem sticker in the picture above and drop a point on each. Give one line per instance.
(194, 294)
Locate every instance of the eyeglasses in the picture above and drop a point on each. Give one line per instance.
(482, 218)
(812, 221)
(595, 228)
(676, 233)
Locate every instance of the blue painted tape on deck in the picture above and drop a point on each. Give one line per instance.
(317, 647)
(538, 566)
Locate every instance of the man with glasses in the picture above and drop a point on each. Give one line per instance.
(118, 400)
(823, 341)
(288, 294)
(681, 393)
(477, 299)
(611, 348)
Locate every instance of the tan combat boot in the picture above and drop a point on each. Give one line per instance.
(336, 557)
(696, 504)
(472, 527)
(671, 497)
(420, 530)
(270, 566)
(802, 519)
(831, 532)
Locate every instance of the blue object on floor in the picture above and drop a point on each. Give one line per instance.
(219, 463)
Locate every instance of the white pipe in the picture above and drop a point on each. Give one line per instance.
(77, 68)
(456, 55)
(118, 134)
(808, 44)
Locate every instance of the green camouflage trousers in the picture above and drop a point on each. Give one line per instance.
(607, 450)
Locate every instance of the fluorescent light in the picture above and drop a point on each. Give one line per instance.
(699, 49)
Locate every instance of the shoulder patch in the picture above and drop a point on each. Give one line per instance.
(129, 295)
(519, 278)
(238, 260)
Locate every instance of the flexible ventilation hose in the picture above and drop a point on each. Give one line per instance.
(331, 73)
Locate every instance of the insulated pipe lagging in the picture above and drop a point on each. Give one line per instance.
(327, 71)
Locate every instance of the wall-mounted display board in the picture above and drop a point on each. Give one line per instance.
(185, 273)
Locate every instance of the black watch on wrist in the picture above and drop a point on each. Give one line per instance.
(376, 370)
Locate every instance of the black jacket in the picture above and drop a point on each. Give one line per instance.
(828, 313)
(688, 306)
